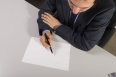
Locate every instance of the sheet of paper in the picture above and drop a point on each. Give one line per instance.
(39, 55)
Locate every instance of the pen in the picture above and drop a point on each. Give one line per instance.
(48, 42)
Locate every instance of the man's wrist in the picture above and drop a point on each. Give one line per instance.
(55, 27)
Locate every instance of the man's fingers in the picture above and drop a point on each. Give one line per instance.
(43, 41)
(47, 22)
(50, 37)
(48, 14)
(45, 17)
(50, 40)
(45, 44)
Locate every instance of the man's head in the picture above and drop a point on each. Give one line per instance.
(78, 6)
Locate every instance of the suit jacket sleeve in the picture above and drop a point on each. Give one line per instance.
(50, 7)
(89, 38)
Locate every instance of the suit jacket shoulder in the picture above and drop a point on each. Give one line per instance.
(105, 5)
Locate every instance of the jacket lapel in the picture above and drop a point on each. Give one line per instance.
(66, 10)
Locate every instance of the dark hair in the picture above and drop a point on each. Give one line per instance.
(96, 1)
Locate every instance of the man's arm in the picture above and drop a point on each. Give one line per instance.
(89, 38)
(50, 7)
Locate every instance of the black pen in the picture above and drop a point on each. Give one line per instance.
(48, 42)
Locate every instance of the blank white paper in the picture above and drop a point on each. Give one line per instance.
(39, 55)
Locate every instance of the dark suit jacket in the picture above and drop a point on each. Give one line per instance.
(89, 27)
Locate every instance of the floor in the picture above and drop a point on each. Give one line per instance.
(110, 46)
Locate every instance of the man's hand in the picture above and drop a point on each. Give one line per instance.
(43, 40)
(50, 20)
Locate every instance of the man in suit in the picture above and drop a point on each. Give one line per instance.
(80, 22)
